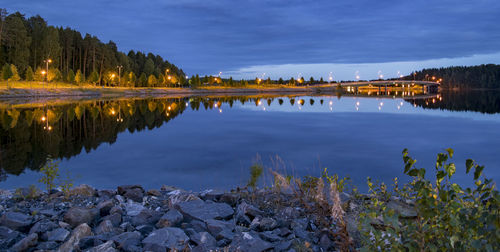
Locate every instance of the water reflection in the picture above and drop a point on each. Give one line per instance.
(31, 133)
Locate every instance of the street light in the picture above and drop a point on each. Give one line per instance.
(47, 61)
(119, 74)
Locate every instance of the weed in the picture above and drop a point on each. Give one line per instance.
(50, 173)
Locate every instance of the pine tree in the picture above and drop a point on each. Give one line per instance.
(15, 75)
(79, 77)
(29, 75)
(38, 74)
(70, 77)
(152, 82)
(93, 78)
(142, 80)
(6, 72)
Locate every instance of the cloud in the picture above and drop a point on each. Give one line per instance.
(211, 36)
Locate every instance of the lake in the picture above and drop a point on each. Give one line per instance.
(210, 142)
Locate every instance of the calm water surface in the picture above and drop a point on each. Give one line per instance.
(200, 142)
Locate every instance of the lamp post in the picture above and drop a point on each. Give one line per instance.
(119, 74)
(47, 61)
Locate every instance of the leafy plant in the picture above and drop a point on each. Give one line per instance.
(448, 217)
(255, 173)
(50, 173)
(66, 183)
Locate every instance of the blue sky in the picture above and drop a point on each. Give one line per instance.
(289, 38)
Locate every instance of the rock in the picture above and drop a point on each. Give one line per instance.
(16, 221)
(146, 216)
(51, 245)
(49, 212)
(145, 229)
(283, 246)
(204, 239)
(127, 227)
(104, 207)
(166, 238)
(267, 224)
(325, 243)
(220, 229)
(154, 192)
(404, 210)
(83, 190)
(198, 226)
(81, 231)
(91, 241)
(249, 242)
(167, 188)
(116, 209)
(200, 210)
(106, 194)
(128, 240)
(104, 227)
(270, 236)
(58, 235)
(230, 198)
(133, 192)
(26, 243)
(108, 246)
(63, 224)
(170, 219)
(42, 227)
(115, 219)
(133, 208)
(78, 215)
(213, 195)
(7, 237)
(248, 210)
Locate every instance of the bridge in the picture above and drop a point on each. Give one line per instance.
(385, 85)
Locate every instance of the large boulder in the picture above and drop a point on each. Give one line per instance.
(8, 237)
(146, 216)
(83, 190)
(250, 242)
(133, 208)
(166, 238)
(78, 215)
(105, 206)
(204, 239)
(133, 192)
(16, 221)
(201, 210)
(220, 229)
(170, 219)
(127, 241)
(58, 235)
(26, 243)
(80, 232)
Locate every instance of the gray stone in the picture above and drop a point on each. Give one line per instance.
(106, 194)
(108, 246)
(58, 235)
(7, 237)
(91, 241)
(283, 246)
(16, 221)
(116, 209)
(63, 224)
(325, 243)
(267, 224)
(205, 239)
(198, 226)
(83, 190)
(26, 243)
(43, 226)
(104, 207)
(50, 245)
(80, 232)
(220, 229)
(133, 208)
(104, 227)
(154, 192)
(166, 238)
(200, 210)
(248, 210)
(78, 215)
(404, 210)
(146, 216)
(230, 198)
(270, 236)
(247, 241)
(127, 227)
(133, 192)
(49, 212)
(115, 219)
(213, 195)
(170, 219)
(128, 240)
(145, 229)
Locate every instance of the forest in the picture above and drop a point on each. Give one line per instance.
(462, 77)
(29, 47)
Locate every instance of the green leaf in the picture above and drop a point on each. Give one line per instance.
(450, 169)
(468, 165)
(413, 172)
(478, 171)
(440, 175)
(450, 152)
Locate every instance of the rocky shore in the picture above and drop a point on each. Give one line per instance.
(169, 219)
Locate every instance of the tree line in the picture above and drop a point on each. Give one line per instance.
(462, 77)
(29, 45)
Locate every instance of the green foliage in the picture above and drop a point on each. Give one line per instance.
(15, 75)
(464, 77)
(449, 217)
(94, 77)
(32, 193)
(255, 173)
(334, 179)
(29, 75)
(6, 72)
(70, 77)
(152, 81)
(66, 183)
(79, 77)
(142, 80)
(50, 172)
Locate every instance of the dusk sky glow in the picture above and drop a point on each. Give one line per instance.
(281, 38)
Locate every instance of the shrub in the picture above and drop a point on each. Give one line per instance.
(50, 172)
(449, 217)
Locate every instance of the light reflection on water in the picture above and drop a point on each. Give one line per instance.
(213, 148)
